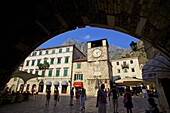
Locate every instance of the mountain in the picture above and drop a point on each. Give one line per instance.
(114, 51)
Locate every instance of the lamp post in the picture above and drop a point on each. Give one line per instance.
(138, 51)
(134, 46)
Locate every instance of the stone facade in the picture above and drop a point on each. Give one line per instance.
(60, 71)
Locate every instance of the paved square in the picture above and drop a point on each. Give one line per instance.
(37, 105)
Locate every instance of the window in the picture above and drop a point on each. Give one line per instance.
(67, 49)
(65, 72)
(78, 66)
(40, 52)
(34, 53)
(33, 62)
(131, 61)
(43, 72)
(53, 51)
(50, 72)
(27, 64)
(133, 70)
(46, 52)
(118, 70)
(36, 72)
(60, 50)
(38, 61)
(124, 63)
(117, 63)
(52, 61)
(66, 59)
(125, 70)
(58, 60)
(78, 76)
(96, 43)
(31, 70)
(57, 72)
(81, 76)
(45, 60)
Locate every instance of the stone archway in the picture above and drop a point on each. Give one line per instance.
(23, 32)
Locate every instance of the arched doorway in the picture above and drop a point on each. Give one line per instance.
(56, 84)
(21, 89)
(48, 85)
(12, 88)
(41, 86)
(64, 85)
(33, 89)
(28, 87)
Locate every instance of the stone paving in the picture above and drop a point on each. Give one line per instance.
(37, 105)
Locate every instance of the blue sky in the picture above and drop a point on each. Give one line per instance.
(91, 33)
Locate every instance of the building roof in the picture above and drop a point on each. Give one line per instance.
(55, 47)
(80, 59)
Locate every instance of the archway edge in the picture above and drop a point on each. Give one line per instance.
(44, 19)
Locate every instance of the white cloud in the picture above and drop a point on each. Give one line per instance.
(87, 37)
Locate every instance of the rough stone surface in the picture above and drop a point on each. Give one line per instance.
(27, 24)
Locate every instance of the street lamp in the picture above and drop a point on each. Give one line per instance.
(134, 46)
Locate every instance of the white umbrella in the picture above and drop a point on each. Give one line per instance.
(24, 75)
(129, 81)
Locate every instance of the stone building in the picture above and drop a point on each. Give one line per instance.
(94, 70)
(127, 67)
(59, 74)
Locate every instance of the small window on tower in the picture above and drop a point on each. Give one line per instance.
(96, 43)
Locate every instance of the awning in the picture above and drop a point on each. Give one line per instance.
(64, 83)
(24, 75)
(56, 83)
(129, 81)
(158, 67)
(78, 84)
(48, 83)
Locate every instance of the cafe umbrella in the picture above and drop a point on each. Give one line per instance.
(129, 81)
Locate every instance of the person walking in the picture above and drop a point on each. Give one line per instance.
(144, 92)
(115, 95)
(153, 106)
(101, 99)
(77, 96)
(48, 96)
(109, 93)
(71, 96)
(56, 96)
(128, 100)
(83, 98)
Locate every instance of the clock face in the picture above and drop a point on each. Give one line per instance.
(97, 53)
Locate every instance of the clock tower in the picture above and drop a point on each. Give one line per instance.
(98, 64)
(97, 50)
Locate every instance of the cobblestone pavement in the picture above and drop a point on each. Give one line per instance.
(37, 105)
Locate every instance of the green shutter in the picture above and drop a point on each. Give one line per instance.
(78, 66)
(81, 76)
(36, 72)
(65, 72)
(74, 76)
(57, 72)
(50, 73)
(52, 61)
(59, 61)
(43, 72)
(66, 59)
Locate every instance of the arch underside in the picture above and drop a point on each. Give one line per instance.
(29, 24)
